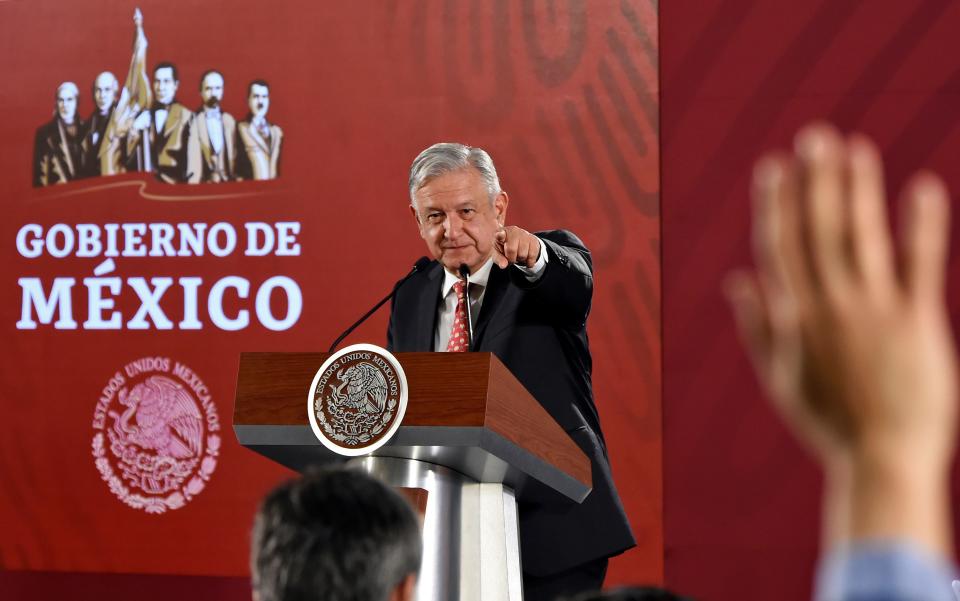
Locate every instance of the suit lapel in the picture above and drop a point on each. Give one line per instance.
(173, 120)
(275, 139)
(497, 285)
(205, 146)
(229, 132)
(65, 150)
(427, 309)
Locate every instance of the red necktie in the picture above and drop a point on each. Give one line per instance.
(458, 334)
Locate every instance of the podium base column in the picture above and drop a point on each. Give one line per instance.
(471, 544)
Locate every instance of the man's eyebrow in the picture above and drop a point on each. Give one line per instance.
(466, 204)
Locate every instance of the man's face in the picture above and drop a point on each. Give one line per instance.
(105, 91)
(67, 104)
(259, 100)
(164, 85)
(211, 90)
(457, 219)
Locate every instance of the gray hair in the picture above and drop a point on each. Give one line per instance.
(446, 157)
(333, 534)
(67, 85)
(113, 79)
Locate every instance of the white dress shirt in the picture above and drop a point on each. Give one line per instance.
(160, 119)
(261, 126)
(478, 287)
(215, 129)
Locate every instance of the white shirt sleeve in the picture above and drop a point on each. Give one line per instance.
(533, 273)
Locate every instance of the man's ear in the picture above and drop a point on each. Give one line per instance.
(406, 589)
(500, 203)
(416, 218)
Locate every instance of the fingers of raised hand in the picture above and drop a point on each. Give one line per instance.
(750, 315)
(821, 154)
(871, 247)
(925, 238)
(830, 227)
(777, 232)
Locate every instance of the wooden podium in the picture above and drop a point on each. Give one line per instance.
(472, 438)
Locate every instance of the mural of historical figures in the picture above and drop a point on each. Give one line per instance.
(142, 127)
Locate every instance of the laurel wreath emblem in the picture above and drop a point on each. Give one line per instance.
(156, 505)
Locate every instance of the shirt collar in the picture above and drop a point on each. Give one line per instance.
(476, 279)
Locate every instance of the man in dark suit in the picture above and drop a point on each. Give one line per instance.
(58, 145)
(531, 295)
(105, 89)
(162, 131)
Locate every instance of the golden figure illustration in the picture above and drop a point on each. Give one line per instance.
(58, 147)
(118, 148)
(211, 144)
(258, 141)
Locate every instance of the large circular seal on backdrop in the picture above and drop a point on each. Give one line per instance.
(357, 399)
(157, 434)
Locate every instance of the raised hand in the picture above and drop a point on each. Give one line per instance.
(857, 355)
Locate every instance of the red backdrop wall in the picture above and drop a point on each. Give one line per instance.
(741, 500)
(565, 98)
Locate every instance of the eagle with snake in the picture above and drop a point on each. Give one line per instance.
(366, 388)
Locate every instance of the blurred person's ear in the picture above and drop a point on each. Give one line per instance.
(406, 590)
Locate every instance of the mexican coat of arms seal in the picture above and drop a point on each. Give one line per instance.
(357, 399)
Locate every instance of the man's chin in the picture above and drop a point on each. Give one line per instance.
(452, 262)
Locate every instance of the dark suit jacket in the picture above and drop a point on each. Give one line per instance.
(93, 139)
(57, 156)
(539, 332)
(168, 148)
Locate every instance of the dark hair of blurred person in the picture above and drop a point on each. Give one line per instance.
(335, 534)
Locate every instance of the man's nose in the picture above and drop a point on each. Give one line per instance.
(452, 226)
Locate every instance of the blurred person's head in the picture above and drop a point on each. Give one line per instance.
(631, 593)
(335, 534)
